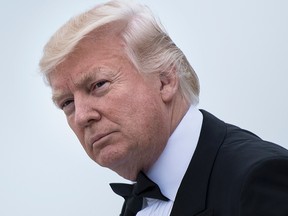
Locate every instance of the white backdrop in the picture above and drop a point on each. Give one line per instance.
(238, 48)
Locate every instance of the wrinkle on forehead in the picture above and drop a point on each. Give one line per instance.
(82, 81)
(81, 66)
(108, 32)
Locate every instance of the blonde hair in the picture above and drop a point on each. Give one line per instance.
(147, 43)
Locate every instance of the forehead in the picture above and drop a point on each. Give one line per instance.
(91, 54)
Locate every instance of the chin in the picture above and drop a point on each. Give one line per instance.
(111, 158)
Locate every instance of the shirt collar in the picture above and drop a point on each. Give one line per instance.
(169, 169)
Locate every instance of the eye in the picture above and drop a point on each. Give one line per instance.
(100, 84)
(101, 87)
(66, 103)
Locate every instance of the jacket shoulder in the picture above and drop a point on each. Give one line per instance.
(241, 162)
(265, 188)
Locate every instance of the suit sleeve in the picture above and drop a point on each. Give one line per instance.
(265, 191)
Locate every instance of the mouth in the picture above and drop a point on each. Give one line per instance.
(99, 138)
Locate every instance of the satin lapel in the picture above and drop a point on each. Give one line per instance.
(191, 197)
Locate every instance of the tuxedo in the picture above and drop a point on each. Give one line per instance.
(233, 173)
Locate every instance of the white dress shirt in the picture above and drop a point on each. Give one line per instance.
(168, 171)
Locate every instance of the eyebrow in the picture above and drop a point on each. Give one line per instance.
(56, 96)
(86, 77)
(82, 80)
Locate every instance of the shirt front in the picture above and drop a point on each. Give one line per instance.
(168, 171)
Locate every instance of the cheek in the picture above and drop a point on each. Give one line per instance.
(143, 117)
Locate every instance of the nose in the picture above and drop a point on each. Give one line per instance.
(85, 111)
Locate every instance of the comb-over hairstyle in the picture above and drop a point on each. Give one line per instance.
(146, 42)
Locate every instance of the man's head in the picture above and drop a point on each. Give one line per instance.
(122, 83)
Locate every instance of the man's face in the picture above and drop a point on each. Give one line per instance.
(117, 114)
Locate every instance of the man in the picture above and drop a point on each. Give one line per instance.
(130, 96)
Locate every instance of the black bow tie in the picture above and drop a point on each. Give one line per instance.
(133, 194)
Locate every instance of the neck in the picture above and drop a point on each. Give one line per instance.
(177, 110)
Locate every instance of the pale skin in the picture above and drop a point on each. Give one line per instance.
(122, 118)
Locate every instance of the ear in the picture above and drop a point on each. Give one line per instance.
(169, 85)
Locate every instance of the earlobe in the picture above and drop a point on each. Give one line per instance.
(169, 86)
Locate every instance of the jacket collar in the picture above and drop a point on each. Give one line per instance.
(191, 197)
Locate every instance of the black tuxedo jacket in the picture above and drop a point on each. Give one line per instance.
(233, 173)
